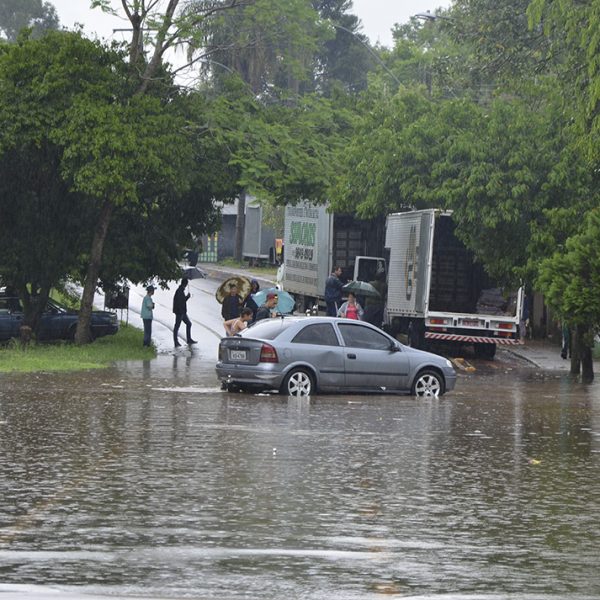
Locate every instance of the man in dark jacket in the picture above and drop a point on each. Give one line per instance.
(180, 310)
(333, 292)
(249, 302)
(232, 304)
(267, 310)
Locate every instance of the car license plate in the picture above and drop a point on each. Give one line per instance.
(467, 323)
(237, 355)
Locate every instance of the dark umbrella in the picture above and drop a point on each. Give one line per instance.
(361, 288)
(193, 273)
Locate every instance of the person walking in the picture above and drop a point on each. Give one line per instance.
(351, 309)
(234, 326)
(267, 310)
(231, 304)
(333, 292)
(180, 310)
(565, 350)
(147, 314)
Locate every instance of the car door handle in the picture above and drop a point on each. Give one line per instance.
(353, 356)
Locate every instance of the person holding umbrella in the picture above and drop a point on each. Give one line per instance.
(231, 304)
(180, 310)
(267, 310)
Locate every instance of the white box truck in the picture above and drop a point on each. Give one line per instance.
(437, 292)
(316, 241)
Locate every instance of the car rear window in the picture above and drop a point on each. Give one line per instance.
(321, 334)
(266, 329)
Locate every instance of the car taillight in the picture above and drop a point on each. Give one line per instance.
(268, 354)
(505, 325)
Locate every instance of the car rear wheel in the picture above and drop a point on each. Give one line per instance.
(298, 382)
(428, 383)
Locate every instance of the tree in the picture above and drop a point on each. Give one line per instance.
(570, 278)
(16, 15)
(345, 59)
(39, 80)
(77, 147)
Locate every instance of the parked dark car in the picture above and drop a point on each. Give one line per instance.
(56, 323)
(302, 355)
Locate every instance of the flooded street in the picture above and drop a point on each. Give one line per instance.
(148, 481)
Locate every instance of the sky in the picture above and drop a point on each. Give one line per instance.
(378, 16)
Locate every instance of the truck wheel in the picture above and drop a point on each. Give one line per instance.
(485, 351)
(298, 382)
(428, 383)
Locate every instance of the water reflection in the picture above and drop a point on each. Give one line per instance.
(155, 483)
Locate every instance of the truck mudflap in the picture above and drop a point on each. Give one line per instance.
(472, 339)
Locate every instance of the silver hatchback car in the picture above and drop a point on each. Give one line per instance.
(299, 356)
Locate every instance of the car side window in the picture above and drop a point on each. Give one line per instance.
(357, 336)
(10, 305)
(321, 334)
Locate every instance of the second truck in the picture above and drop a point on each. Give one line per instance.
(437, 292)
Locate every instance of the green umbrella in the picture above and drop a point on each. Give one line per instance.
(361, 288)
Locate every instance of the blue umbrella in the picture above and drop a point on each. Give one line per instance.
(285, 302)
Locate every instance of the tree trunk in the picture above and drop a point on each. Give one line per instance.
(33, 305)
(573, 349)
(83, 335)
(584, 340)
(240, 225)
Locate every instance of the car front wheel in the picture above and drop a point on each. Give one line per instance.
(298, 382)
(428, 383)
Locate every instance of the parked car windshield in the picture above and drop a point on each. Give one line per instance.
(267, 329)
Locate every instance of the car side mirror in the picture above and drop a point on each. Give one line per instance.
(394, 347)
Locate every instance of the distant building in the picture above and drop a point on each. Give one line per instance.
(259, 241)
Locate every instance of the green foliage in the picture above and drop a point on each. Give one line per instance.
(266, 42)
(74, 133)
(570, 278)
(279, 152)
(506, 170)
(346, 58)
(39, 81)
(16, 15)
(578, 24)
(110, 148)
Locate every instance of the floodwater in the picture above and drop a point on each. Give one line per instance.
(148, 481)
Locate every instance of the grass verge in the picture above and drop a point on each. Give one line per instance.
(267, 271)
(64, 356)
